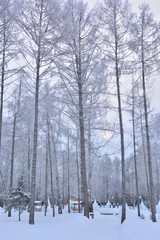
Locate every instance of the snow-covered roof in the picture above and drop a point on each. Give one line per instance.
(38, 202)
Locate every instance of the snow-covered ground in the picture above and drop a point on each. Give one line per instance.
(75, 226)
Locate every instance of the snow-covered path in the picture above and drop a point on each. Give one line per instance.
(77, 227)
(105, 227)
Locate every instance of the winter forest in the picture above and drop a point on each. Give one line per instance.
(77, 116)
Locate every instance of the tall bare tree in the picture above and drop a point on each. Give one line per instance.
(41, 37)
(134, 148)
(16, 110)
(147, 51)
(115, 19)
(8, 52)
(75, 70)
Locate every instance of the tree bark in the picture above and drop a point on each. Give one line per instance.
(46, 179)
(13, 141)
(152, 197)
(29, 159)
(135, 154)
(123, 217)
(12, 156)
(63, 180)
(81, 130)
(51, 167)
(56, 169)
(78, 178)
(35, 140)
(83, 156)
(69, 209)
(144, 159)
(2, 81)
(2, 94)
(19, 216)
(89, 161)
(157, 178)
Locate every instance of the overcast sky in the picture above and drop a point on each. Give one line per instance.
(154, 5)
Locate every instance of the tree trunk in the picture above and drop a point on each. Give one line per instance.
(63, 180)
(56, 169)
(78, 179)
(19, 216)
(153, 209)
(82, 138)
(135, 154)
(69, 209)
(90, 163)
(13, 141)
(51, 167)
(35, 140)
(2, 92)
(123, 217)
(107, 179)
(57, 179)
(2, 86)
(29, 159)
(144, 158)
(46, 179)
(12, 156)
(157, 179)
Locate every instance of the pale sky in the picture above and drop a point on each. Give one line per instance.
(154, 5)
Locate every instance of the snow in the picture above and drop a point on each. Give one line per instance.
(38, 202)
(108, 205)
(77, 227)
(158, 208)
(143, 206)
(95, 206)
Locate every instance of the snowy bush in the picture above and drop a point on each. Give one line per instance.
(17, 199)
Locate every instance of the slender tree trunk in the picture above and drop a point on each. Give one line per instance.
(157, 178)
(69, 209)
(46, 179)
(144, 158)
(82, 140)
(57, 173)
(78, 179)
(51, 167)
(107, 180)
(12, 156)
(35, 140)
(152, 196)
(57, 182)
(135, 155)
(29, 160)
(57, 178)
(83, 159)
(121, 137)
(2, 85)
(90, 163)
(13, 141)
(63, 181)
(19, 216)
(2, 94)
